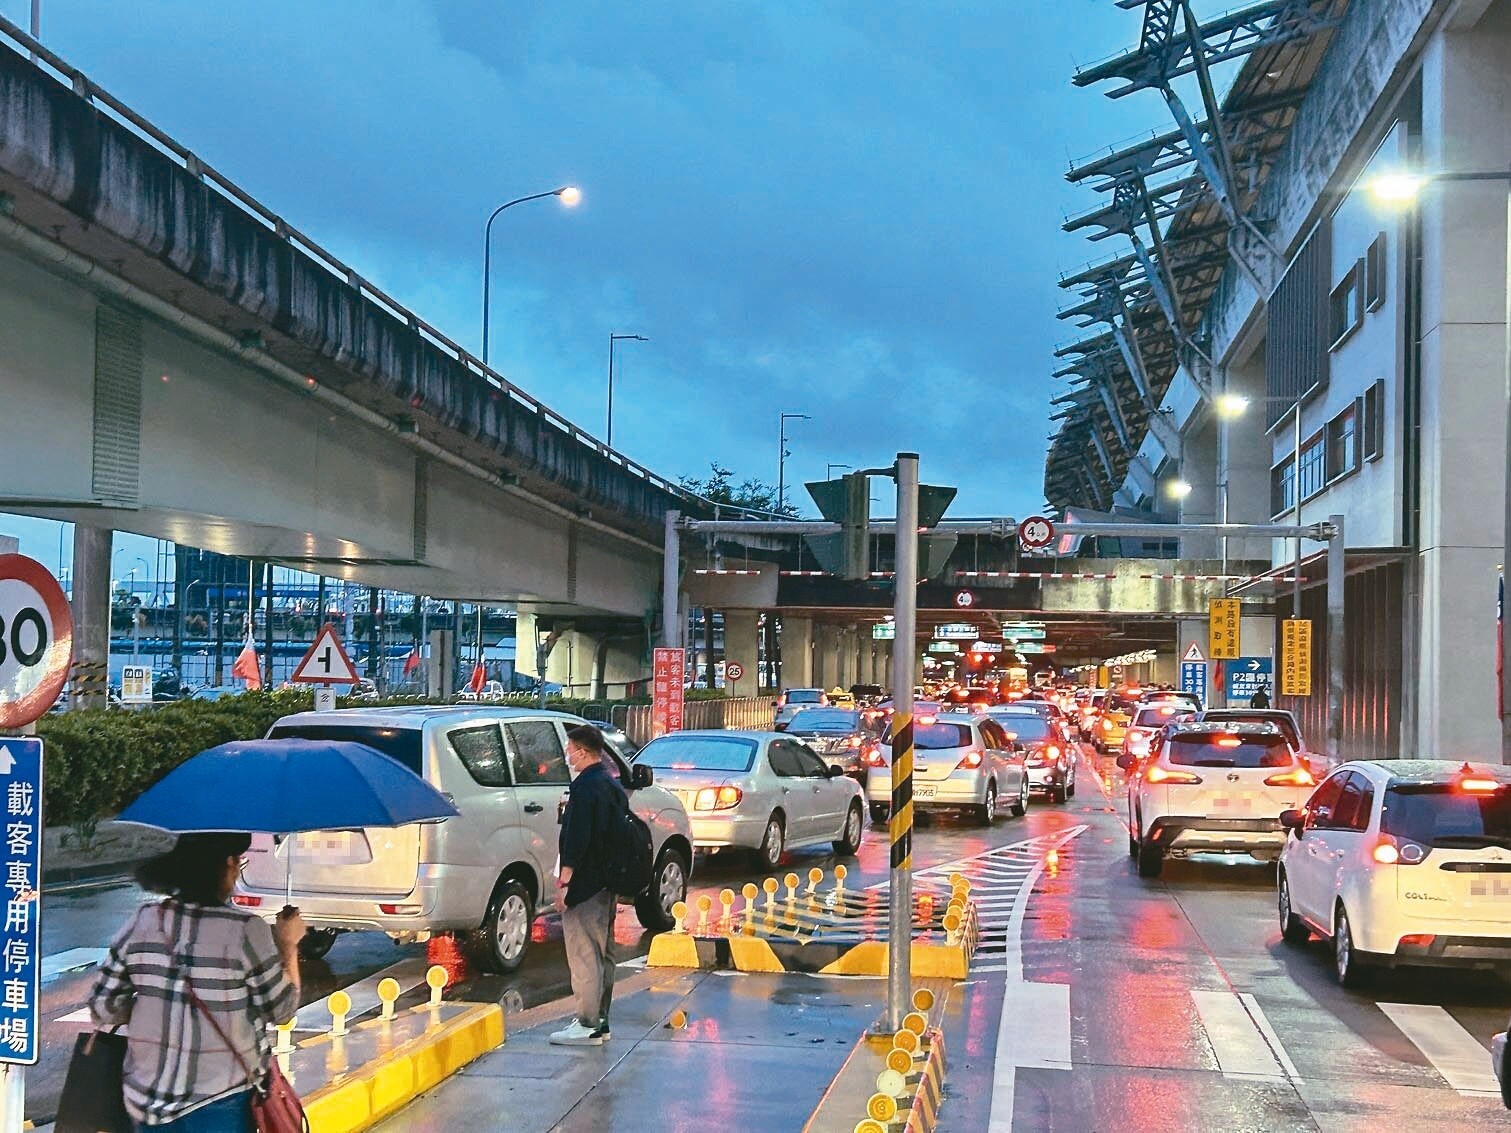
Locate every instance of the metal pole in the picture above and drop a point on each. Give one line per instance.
(671, 582)
(781, 462)
(1296, 489)
(609, 440)
(542, 656)
(267, 629)
(1336, 626)
(220, 620)
(1505, 697)
(1223, 426)
(904, 617)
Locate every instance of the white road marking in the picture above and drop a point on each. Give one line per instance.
(1457, 1055)
(1242, 1048)
(73, 960)
(1277, 1048)
(79, 1016)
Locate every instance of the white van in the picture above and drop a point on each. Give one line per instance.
(483, 873)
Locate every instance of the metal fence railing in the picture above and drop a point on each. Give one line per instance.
(736, 712)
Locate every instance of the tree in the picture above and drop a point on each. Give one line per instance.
(750, 493)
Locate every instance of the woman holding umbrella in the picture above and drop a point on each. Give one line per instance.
(199, 981)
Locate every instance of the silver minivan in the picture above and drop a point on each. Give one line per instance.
(483, 873)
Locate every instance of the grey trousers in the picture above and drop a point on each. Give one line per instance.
(588, 931)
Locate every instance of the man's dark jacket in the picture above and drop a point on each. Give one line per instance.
(594, 802)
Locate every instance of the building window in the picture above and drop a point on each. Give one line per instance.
(1374, 274)
(1346, 306)
(1313, 466)
(1343, 443)
(1283, 487)
(1373, 425)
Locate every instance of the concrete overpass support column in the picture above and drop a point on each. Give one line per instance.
(825, 656)
(91, 615)
(845, 658)
(742, 638)
(797, 652)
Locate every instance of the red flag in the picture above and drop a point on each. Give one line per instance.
(479, 678)
(412, 662)
(246, 666)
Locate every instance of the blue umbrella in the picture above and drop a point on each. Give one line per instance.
(287, 786)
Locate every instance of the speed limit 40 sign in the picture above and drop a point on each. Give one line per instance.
(36, 640)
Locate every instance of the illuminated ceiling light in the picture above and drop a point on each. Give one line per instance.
(1230, 405)
(1178, 489)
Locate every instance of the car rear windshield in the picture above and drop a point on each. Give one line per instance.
(824, 720)
(1022, 726)
(1444, 814)
(402, 744)
(1218, 750)
(804, 696)
(936, 736)
(1287, 729)
(699, 753)
(1160, 715)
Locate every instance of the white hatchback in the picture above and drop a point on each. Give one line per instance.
(1211, 788)
(960, 762)
(1402, 862)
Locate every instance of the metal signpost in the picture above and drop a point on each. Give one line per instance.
(904, 617)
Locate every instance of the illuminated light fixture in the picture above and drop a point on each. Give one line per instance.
(570, 195)
(1386, 853)
(1396, 188)
(1178, 489)
(1230, 405)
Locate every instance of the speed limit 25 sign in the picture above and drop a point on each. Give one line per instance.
(36, 640)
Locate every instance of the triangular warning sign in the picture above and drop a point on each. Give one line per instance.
(326, 663)
(1194, 653)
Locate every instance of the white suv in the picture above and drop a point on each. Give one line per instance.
(484, 873)
(1402, 862)
(1212, 788)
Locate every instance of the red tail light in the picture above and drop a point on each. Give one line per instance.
(971, 761)
(1051, 751)
(1419, 939)
(924, 721)
(245, 901)
(874, 758)
(1397, 851)
(1158, 774)
(1295, 777)
(1479, 785)
(1386, 853)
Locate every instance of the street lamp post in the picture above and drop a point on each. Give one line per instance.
(613, 338)
(569, 196)
(782, 455)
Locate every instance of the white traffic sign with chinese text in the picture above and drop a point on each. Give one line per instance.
(21, 937)
(136, 684)
(326, 663)
(36, 640)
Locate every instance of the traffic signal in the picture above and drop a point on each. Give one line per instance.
(847, 502)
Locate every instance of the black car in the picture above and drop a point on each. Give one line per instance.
(840, 736)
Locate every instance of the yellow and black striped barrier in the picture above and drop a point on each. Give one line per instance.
(831, 931)
(901, 824)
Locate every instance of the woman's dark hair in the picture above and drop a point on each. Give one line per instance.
(195, 869)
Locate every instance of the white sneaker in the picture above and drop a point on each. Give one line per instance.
(577, 1035)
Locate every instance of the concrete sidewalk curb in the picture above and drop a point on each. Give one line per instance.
(385, 1085)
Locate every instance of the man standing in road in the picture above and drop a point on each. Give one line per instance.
(586, 904)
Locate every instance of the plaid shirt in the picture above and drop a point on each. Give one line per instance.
(175, 1062)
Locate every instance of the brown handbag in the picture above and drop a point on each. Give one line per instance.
(276, 1108)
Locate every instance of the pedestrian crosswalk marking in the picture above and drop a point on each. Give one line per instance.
(73, 960)
(1241, 1046)
(1454, 1053)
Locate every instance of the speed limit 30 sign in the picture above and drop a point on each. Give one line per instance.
(36, 640)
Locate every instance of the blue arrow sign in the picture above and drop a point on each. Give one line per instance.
(1247, 675)
(21, 934)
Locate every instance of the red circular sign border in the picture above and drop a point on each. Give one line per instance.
(739, 671)
(34, 705)
(1036, 519)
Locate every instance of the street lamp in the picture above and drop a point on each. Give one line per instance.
(1178, 489)
(613, 338)
(570, 195)
(1405, 188)
(783, 454)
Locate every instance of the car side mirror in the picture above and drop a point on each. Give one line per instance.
(834, 771)
(1293, 820)
(641, 777)
(1126, 762)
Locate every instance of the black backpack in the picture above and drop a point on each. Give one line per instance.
(631, 860)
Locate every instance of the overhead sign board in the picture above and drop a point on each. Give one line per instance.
(1193, 678)
(326, 663)
(21, 936)
(669, 670)
(36, 640)
(987, 647)
(944, 647)
(1035, 533)
(1246, 676)
(1223, 628)
(954, 630)
(1012, 634)
(1296, 657)
(1033, 647)
(136, 684)
(884, 631)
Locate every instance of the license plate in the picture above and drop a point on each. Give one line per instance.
(923, 792)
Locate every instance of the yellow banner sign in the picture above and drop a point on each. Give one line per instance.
(1222, 629)
(1296, 657)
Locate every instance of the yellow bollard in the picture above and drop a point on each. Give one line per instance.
(840, 873)
(869, 1126)
(285, 1041)
(791, 882)
(923, 999)
(891, 1083)
(339, 1005)
(952, 928)
(815, 876)
(906, 1040)
(770, 886)
(749, 891)
(915, 1022)
(388, 994)
(705, 903)
(677, 1020)
(436, 979)
(881, 1107)
(727, 900)
(900, 1061)
(679, 914)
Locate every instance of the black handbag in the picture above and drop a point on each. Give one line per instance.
(93, 1098)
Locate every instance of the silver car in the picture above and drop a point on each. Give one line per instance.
(1050, 758)
(758, 791)
(483, 874)
(793, 701)
(960, 762)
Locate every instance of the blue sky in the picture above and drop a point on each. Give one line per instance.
(850, 209)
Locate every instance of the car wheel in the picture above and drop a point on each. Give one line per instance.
(880, 812)
(1020, 808)
(1057, 792)
(1292, 930)
(1070, 786)
(505, 936)
(1132, 845)
(774, 844)
(668, 886)
(1151, 859)
(986, 813)
(849, 839)
(1351, 973)
(316, 943)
